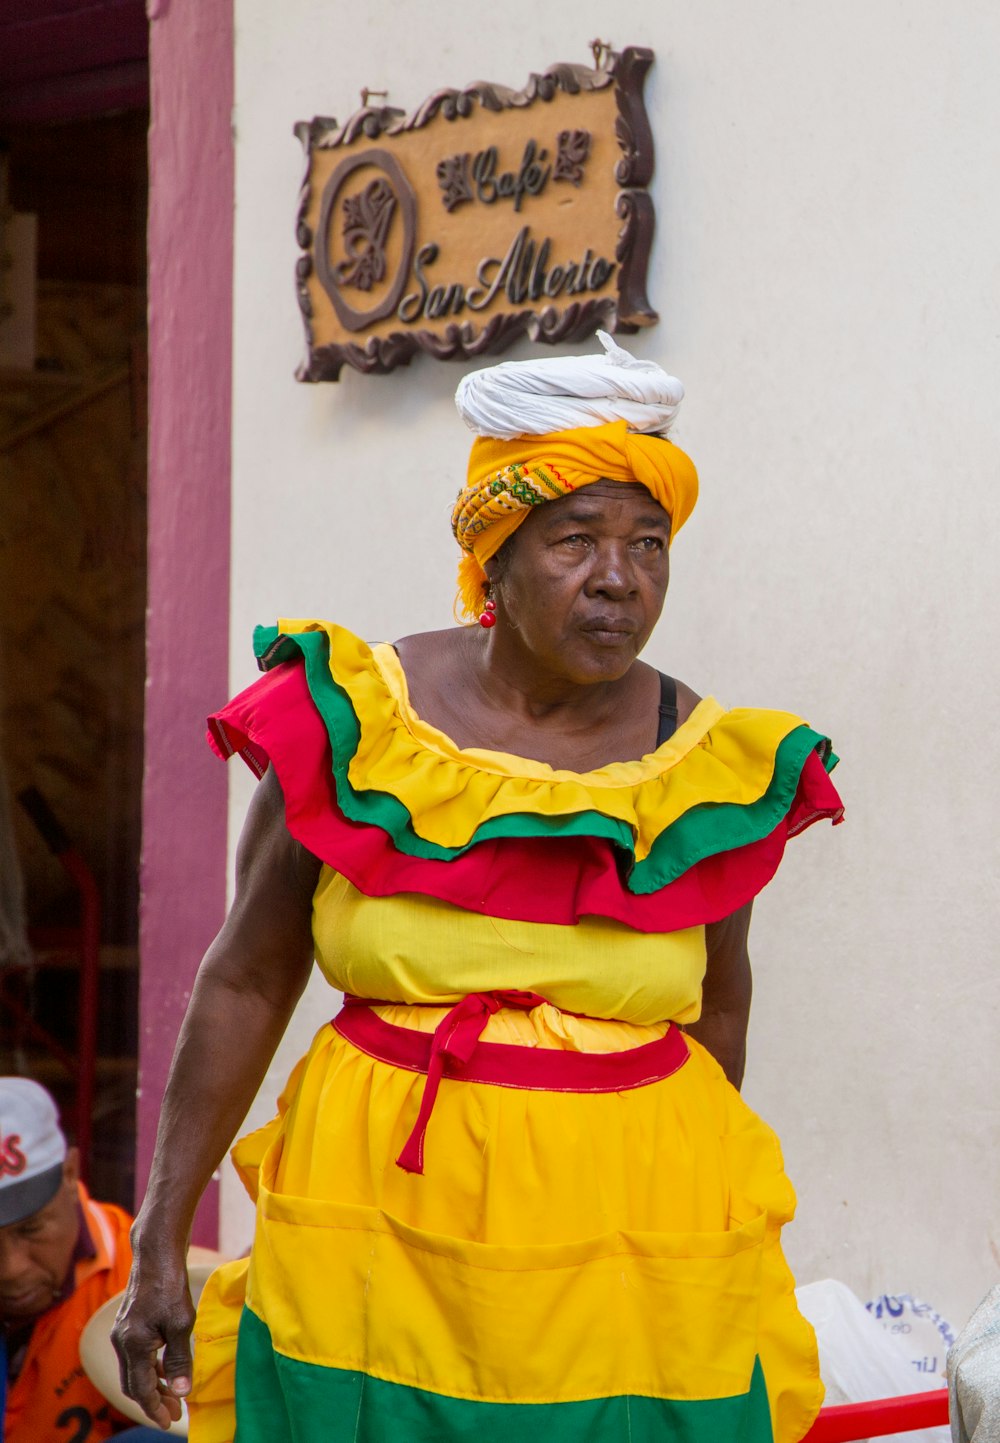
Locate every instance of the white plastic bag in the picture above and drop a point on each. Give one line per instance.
(923, 1334)
(858, 1360)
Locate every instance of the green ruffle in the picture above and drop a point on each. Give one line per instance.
(704, 830)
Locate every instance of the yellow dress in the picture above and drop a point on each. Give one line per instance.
(505, 1197)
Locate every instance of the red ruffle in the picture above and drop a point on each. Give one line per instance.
(532, 879)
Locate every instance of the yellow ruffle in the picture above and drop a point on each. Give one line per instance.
(716, 756)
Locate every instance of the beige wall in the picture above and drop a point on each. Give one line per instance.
(825, 269)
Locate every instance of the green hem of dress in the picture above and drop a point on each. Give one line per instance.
(285, 1400)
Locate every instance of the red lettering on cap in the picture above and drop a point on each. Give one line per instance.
(12, 1159)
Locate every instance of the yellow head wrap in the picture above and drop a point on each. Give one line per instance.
(508, 478)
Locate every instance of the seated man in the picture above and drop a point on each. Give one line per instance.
(61, 1257)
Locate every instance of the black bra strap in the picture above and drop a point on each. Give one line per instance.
(667, 709)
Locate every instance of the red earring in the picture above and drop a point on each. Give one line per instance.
(489, 614)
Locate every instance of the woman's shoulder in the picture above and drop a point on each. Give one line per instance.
(434, 652)
(687, 700)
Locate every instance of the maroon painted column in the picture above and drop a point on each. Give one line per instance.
(183, 873)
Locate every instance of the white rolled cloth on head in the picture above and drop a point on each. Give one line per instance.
(532, 398)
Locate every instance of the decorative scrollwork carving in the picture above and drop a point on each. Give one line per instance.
(635, 241)
(324, 133)
(579, 320)
(632, 127)
(571, 156)
(367, 218)
(453, 178)
(302, 230)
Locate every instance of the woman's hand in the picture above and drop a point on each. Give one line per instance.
(156, 1313)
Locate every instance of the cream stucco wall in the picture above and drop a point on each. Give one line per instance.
(825, 269)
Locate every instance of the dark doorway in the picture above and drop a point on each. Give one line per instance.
(73, 124)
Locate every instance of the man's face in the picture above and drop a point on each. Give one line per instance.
(35, 1253)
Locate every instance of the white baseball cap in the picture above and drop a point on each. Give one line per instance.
(32, 1149)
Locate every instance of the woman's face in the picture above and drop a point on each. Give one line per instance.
(581, 583)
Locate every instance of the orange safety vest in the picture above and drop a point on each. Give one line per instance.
(52, 1399)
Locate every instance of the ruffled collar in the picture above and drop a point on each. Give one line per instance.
(437, 800)
(688, 735)
(684, 835)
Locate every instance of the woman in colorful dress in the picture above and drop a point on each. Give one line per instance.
(512, 1192)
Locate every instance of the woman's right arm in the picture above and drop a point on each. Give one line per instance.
(244, 994)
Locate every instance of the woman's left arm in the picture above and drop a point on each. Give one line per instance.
(725, 1007)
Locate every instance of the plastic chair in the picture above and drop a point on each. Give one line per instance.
(847, 1422)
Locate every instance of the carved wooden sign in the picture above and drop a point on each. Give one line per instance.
(486, 215)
